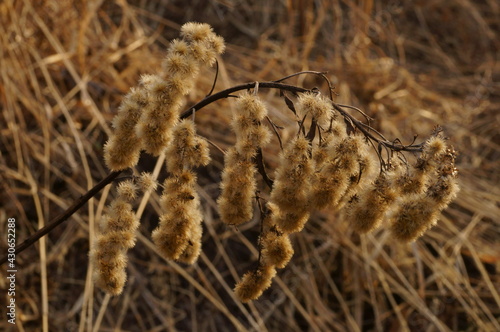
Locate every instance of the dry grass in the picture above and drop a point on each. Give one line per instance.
(64, 67)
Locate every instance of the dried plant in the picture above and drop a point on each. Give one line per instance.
(330, 162)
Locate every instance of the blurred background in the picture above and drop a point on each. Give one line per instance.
(65, 66)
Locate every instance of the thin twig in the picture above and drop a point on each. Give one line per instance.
(65, 215)
(275, 129)
(301, 73)
(225, 93)
(215, 78)
(259, 161)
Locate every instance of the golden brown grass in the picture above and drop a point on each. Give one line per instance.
(64, 67)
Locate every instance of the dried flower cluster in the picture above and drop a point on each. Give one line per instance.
(331, 163)
(148, 119)
(308, 177)
(238, 183)
(117, 235)
(178, 235)
(419, 211)
(149, 112)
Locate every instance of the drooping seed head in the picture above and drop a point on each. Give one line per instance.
(147, 182)
(316, 105)
(253, 283)
(276, 249)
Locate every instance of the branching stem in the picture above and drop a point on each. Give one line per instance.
(364, 128)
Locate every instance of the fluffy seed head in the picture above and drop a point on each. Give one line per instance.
(252, 106)
(116, 239)
(193, 31)
(203, 53)
(412, 181)
(416, 179)
(419, 212)
(443, 191)
(292, 186)
(147, 182)
(316, 105)
(160, 116)
(413, 217)
(253, 283)
(180, 63)
(178, 83)
(130, 109)
(170, 244)
(180, 214)
(106, 254)
(121, 217)
(121, 152)
(338, 127)
(444, 188)
(237, 189)
(288, 220)
(276, 249)
(320, 151)
(179, 47)
(250, 134)
(187, 150)
(345, 154)
(366, 210)
(109, 274)
(217, 43)
(117, 236)
(248, 142)
(341, 170)
(193, 249)
(127, 190)
(329, 185)
(337, 161)
(435, 146)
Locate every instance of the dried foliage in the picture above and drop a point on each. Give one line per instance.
(64, 68)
